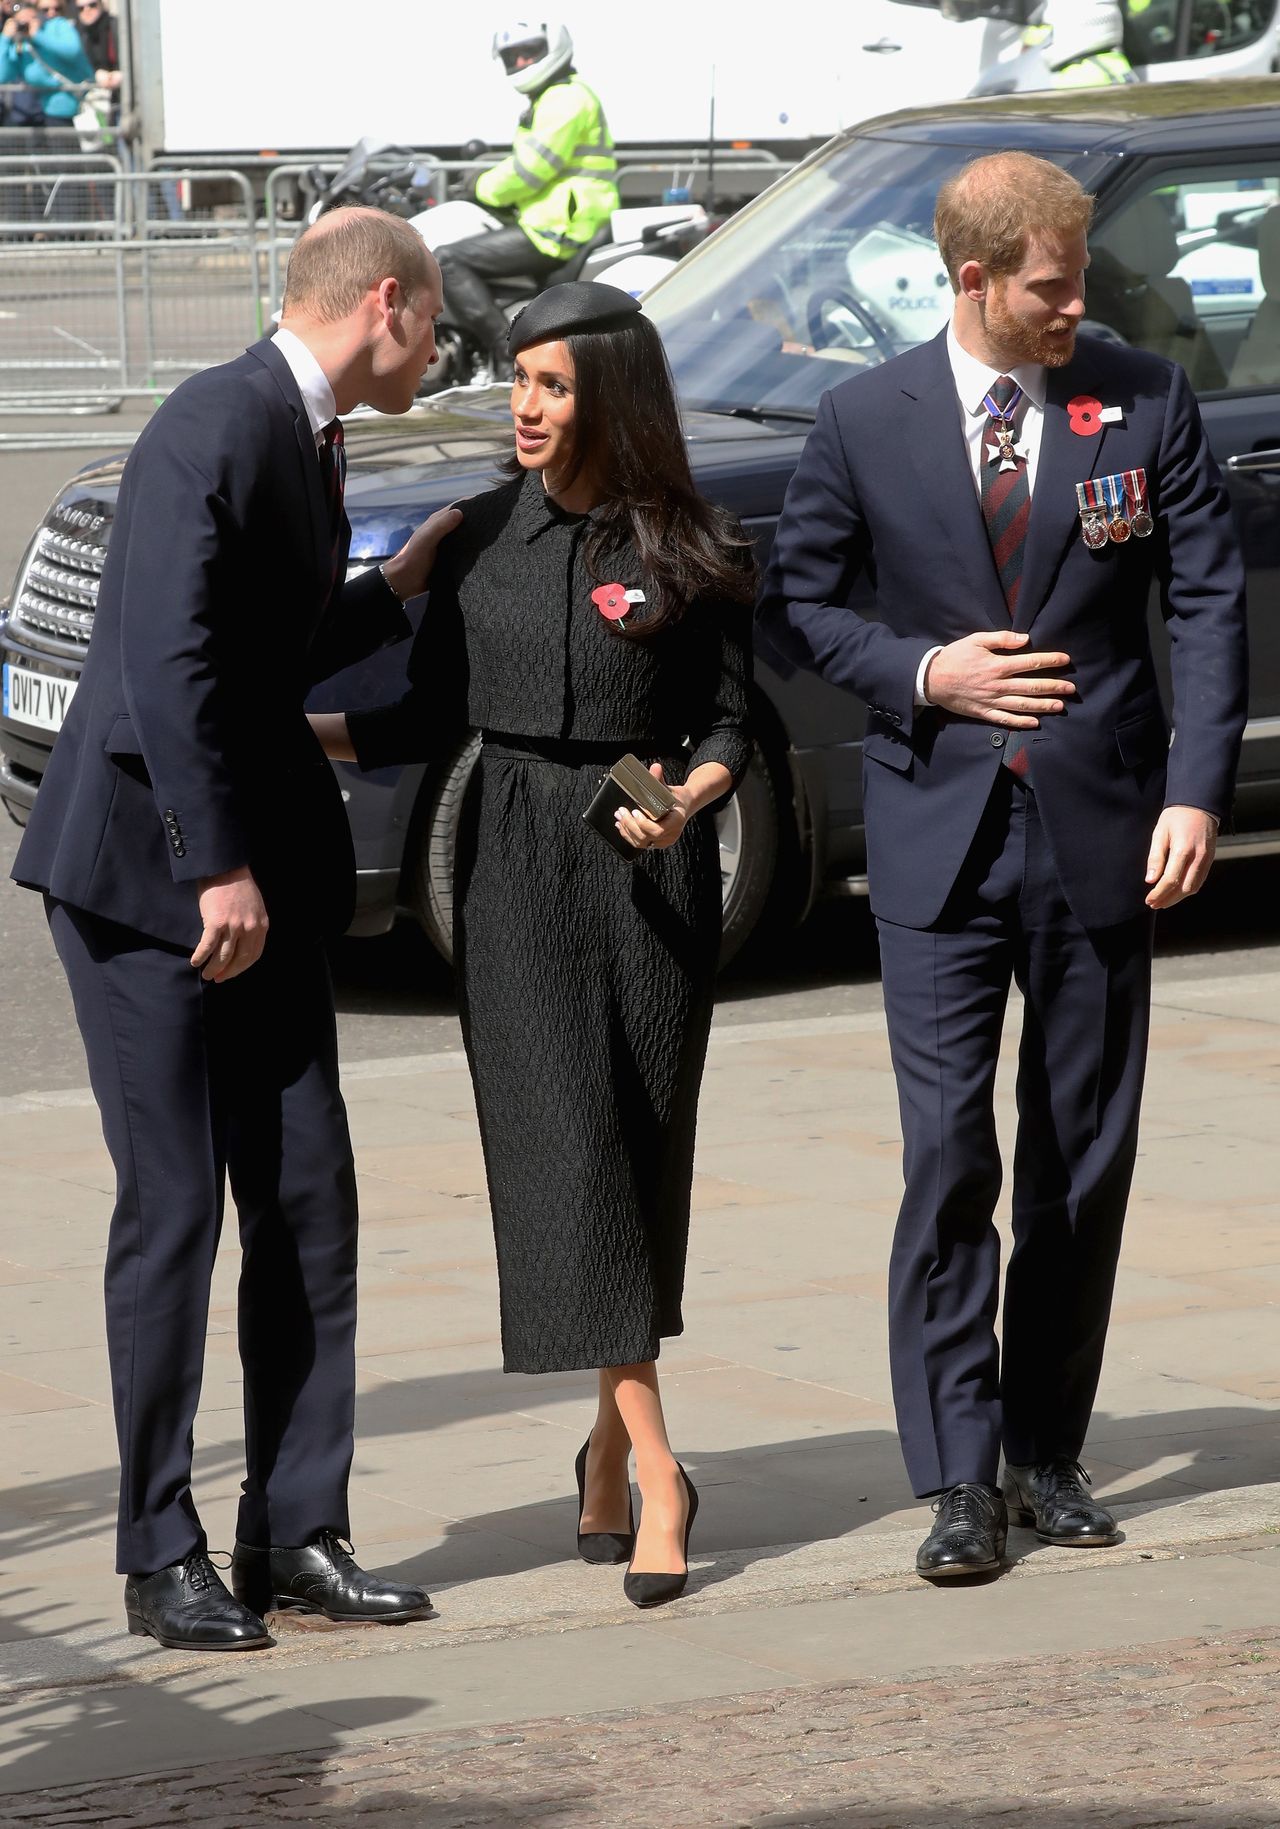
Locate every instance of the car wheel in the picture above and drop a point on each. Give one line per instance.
(747, 829)
(437, 847)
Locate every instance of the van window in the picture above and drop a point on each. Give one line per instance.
(1190, 269)
(1151, 30)
(1169, 31)
(1216, 26)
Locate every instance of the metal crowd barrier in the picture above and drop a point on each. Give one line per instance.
(114, 287)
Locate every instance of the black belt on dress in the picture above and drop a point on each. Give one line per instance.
(572, 753)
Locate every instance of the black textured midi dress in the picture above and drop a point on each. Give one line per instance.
(586, 980)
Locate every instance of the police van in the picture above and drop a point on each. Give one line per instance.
(928, 51)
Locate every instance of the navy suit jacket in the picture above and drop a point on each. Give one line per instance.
(186, 752)
(884, 489)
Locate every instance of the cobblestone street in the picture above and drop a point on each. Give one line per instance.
(1186, 1733)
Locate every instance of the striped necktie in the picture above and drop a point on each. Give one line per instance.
(1006, 509)
(1006, 492)
(333, 469)
(333, 477)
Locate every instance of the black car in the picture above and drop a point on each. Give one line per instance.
(832, 269)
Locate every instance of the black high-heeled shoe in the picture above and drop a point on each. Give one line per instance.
(602, 1546)
(646, 1590)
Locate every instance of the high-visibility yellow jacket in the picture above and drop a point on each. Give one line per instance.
(561, 177)
(1096, 71)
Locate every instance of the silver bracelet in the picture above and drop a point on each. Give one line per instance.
(382, 572)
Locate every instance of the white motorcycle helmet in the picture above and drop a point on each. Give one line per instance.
(549, 44)
(1081, 28)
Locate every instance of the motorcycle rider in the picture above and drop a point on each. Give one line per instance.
(560, 180)
(1082, 42)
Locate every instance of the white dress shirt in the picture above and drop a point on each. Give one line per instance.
(974, 381)
(313, 384)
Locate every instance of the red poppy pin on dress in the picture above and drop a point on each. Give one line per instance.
(614, 601)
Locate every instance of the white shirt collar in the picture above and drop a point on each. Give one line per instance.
(313, 384)
(974, 378)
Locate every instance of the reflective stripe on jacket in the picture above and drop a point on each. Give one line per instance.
(1096, 71)
(561, 177)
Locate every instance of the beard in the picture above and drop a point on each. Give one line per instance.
(1045, 342)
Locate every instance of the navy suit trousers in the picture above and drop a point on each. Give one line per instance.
(1087, 996)
(198, 1083)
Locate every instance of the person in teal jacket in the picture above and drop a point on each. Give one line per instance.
(48, 57)
(559, 182)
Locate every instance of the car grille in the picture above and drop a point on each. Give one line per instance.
(54, 602)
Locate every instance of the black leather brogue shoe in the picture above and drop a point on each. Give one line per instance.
(322, 1576)
(969, 1536)
(187, 1607)
(1054, 1500)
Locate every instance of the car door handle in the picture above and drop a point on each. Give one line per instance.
(1246, 461)
(882, 46)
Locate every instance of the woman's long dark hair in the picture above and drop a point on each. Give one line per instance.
(629, 439)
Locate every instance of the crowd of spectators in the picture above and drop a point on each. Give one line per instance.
(58, 58)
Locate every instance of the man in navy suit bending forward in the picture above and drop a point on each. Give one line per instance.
(192, 847)
(1012, 491)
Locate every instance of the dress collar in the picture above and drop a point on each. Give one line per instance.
(535, 511)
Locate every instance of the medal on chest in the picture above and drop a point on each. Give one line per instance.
(1135, 489)
(1093, 517)
(1118, 528)
(1006, 452)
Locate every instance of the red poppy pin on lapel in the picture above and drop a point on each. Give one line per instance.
(1088, 415)
(614, 601)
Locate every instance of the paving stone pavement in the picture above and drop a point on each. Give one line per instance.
(1182, 1734)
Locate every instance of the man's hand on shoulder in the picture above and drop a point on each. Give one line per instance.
(1182, 851)
(410, 570)
(235, 926)
(990, 675)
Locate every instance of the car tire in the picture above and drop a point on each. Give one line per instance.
(748, 831)
(438, 845)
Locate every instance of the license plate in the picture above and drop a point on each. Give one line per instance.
(35, 698)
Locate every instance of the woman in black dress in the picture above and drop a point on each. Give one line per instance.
(592, 605)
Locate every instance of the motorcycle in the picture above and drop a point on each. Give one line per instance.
(403, 188)
(633, 250)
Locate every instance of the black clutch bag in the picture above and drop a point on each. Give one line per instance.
(628, 784)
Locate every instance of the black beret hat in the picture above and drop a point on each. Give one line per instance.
(582, 305)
